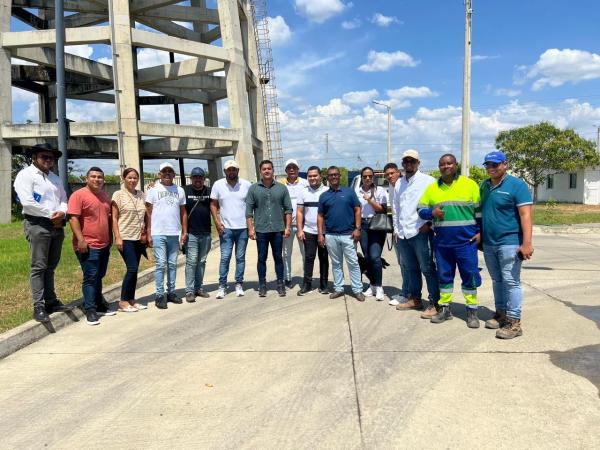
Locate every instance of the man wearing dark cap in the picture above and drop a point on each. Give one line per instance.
(506, 236)
(44, 202)
(198, 244)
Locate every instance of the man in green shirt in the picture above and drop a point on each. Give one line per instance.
(269, 218)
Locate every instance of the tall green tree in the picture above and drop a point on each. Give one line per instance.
(535, 149)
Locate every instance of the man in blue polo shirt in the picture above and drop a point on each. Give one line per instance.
(506, 236)
(338, 225)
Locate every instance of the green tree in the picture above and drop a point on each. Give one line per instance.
(533, 150)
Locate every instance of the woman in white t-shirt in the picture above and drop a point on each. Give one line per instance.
(129, 228)
(373, 200)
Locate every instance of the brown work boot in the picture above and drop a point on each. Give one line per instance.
(431, 311)
(497, 321)
(510, 330)
(412, 303)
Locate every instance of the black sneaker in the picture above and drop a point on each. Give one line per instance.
(289, 284)
(281, 288)
(174, 298)
(262, 290)
(190, 297)
(324, 290)
(40, 314)
(202, 293)
(305, 290)
(56, 306)
(161, 302)
(91, 317)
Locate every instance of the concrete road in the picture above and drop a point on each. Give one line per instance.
(310, 372)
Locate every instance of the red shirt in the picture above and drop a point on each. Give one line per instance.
(94, 216)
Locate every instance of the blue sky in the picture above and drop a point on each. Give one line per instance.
(532, 60)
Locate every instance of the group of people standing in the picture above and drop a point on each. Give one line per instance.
(438, 226)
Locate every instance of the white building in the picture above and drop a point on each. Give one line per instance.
(580, 186)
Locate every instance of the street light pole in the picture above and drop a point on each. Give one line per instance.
(389, 129)
(466, 107)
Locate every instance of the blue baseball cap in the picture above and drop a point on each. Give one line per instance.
(198, 172)
(494, 157)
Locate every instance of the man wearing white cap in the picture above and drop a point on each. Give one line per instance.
(413, 237)
(228, 209)
(167, 219)
(294, 185)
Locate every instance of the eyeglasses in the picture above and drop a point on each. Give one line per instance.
(409, 161)
(491, 165)
(47, 157)
(333, 175)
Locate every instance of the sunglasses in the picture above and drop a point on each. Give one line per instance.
(409, 161)
(491, 165)
(47, 157)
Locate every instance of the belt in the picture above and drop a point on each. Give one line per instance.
(37, 220)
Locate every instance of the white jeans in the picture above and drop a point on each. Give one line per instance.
(288, 246)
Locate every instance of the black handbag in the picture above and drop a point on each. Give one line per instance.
(381, 222)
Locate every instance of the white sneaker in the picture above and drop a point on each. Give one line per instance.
(396, 300)
(110, 312)
(221, 293)
(379, 296)
(368, 292)
(239, 290)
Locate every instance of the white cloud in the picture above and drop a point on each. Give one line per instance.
(299, 71)
(84, 111)
(556, 67)
(507, 92)
(334, 108)
(85, 51)
(21, 95)
(484, 57)
(360, 97)
(21, 62)
(279, 31)
(399, 98)
(148, 57)
(351, 24)
(105, 60)
(384, 21)
(320, 10)
(384, 61)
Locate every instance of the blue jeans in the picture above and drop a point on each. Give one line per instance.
(93, 265)
(165, 254)
(262, 243)
(340, 247)
(239, 237)
(371, 243)
(504, 267)
(416, 258)
(196, 251)
(131, 254)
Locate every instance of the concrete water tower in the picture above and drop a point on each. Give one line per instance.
(213, 58)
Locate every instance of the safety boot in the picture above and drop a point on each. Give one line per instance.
(510, 330)
(442, 315)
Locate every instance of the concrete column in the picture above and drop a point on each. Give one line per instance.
(215, 169)
(123, 64)
(211, 119)
(237, 94)
(5, 117)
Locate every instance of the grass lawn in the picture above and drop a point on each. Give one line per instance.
(15, 295)
(565, 214)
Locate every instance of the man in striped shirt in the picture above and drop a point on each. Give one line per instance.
(453, 204)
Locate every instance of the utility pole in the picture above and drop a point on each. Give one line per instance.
(61, 100)
(598, 139)
(389, 129)
(466, 107)
(326, 150)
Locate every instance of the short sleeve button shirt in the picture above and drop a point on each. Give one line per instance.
(337, 207)
(501, 223)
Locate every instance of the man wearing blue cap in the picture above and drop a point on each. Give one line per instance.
(506, 236)
(198, 244)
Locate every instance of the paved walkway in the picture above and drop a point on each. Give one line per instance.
(309, 372)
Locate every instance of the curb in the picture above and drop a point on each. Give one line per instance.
(584, 228)
(32, 331)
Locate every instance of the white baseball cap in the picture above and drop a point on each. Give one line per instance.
(231, 163)
(289, 162)
(411, 154)
(166, 165)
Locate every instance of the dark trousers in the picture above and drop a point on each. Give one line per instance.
(311, 248)
(371, 243)
(131, 253)
(93, 264)
(275, 239)
(45, 245)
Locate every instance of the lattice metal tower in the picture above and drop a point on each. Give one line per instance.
(216, 59)
(266, 70)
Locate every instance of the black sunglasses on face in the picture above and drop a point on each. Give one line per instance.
(491, 165)
(409, 161)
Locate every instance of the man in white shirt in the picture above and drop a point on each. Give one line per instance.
(414, 236)
(228, 210)
(165, 206)
(392, 175)
(294, 185)
(308, 234)
(44, 202)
